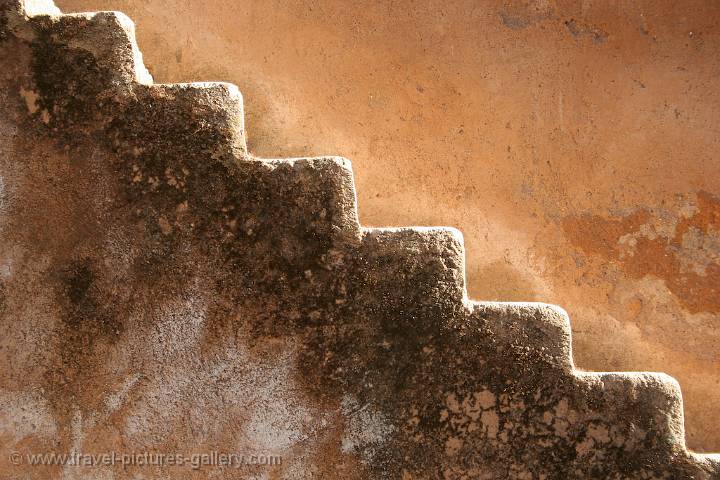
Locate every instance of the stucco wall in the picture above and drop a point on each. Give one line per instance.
(574, 143)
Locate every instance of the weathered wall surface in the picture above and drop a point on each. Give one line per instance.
(163, 292)
(574, 143)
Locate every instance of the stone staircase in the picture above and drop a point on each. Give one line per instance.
(162, 290)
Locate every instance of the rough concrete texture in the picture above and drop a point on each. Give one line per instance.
(569, 141)
(163, 290)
